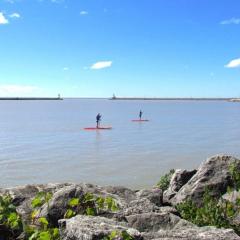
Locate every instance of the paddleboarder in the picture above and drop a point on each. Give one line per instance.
(140, 114)
(98, 119)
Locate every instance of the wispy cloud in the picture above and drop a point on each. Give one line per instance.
(10, 1)
(212, 74)
(84, 13)
(231, 21)
(101, 65)
(53, 1)
(57, 1)
(14, 15)
(65, 68)
(235, 63)
(16, 89)
(3, 19)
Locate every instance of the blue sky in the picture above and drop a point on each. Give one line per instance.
(94, 48)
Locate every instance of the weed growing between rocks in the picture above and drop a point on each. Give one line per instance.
(165, 180)
(210, 214)
(90, 205)
(42, 231)
(39, 229)
(10, 221)
(217, 212)
(118, 235)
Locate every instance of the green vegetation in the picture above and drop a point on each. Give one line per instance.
(116, 235)
(211, 213)
(40, 229)
(13, 225)
(165, 180)
(90, 205)
(9, 217)
(235, 175)
(41, 198)
(214, 211)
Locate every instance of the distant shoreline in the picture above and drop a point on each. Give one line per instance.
(176, 99)
(29, 98)
(124, 98)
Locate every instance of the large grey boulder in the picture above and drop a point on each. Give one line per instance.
(178, 180)
(167, 226)
(122, 192)
(142, 206)
(194, 233)
(139, 206)
(128, 201)
(154, 195)
(213, 174)
(58, 205)
(92, 228)
(153, 222)
(23, 195)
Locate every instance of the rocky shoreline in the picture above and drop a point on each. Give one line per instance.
(141, 214)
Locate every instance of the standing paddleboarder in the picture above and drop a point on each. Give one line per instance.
(140, 114)
(98, 119)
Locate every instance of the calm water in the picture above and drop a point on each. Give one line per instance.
(43, 141)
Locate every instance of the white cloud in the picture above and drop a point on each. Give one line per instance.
(16, 89)
(83, 13)
(102, 64)
(65, 68)
(14, 15)
(235, 63)
(231, 21)
(3, 19)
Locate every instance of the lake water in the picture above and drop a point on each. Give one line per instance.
(44, 141)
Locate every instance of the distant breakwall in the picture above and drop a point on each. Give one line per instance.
(29, 98)
(173, 99)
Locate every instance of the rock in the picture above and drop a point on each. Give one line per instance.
(153, 222)
(140, 206)
(145, 201)
(232, 196)
(123, 192)
(213, 174)
(194, 233)
(154, 195)
(179, 179)
(58, 205)
(92, 228)
(168, 209)
(23, 195)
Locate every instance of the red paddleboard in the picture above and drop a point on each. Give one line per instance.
(100, 128)
(142, 120)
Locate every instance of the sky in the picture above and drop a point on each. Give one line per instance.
(137, 48)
